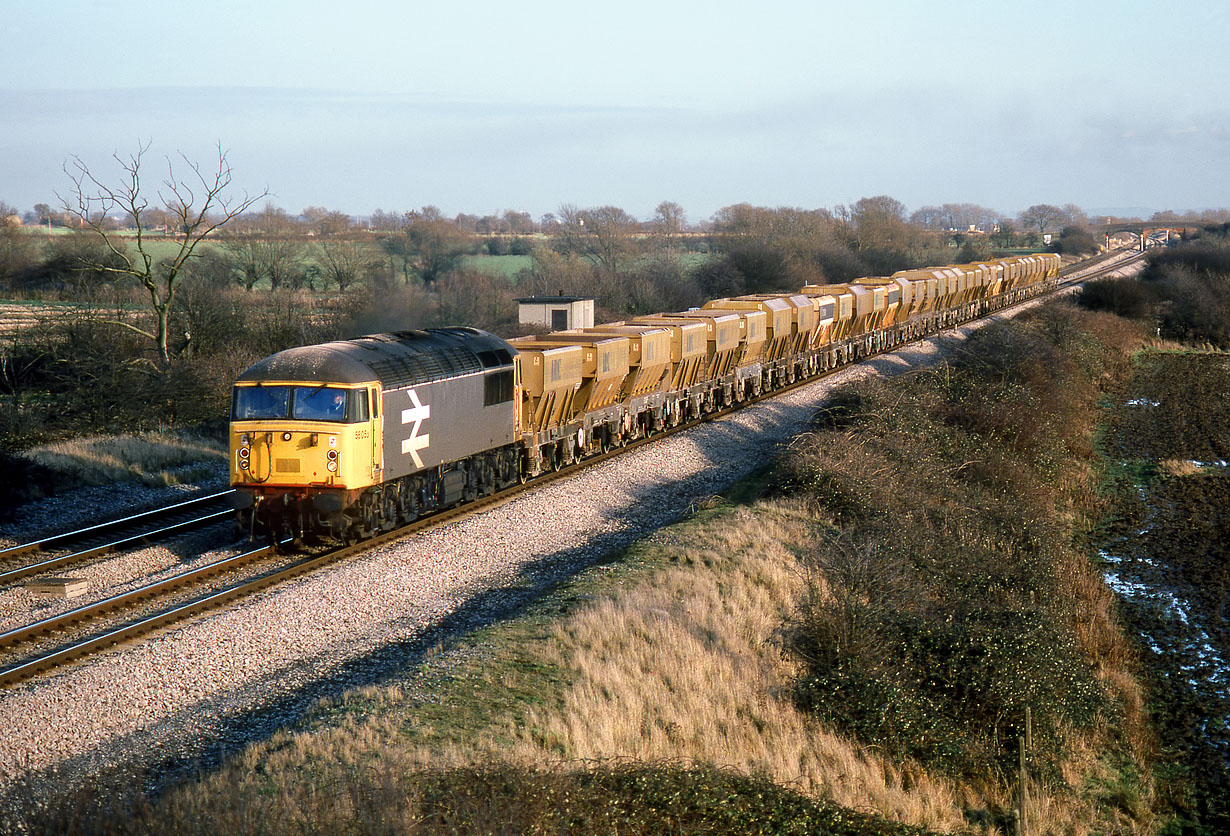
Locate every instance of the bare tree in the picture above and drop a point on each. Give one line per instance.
(603, 235)
(197, 204)
(1043, 217)
(17, 250)
(345, 262)
(437, 244)
(267, 245)
(879, 222)
(325, 222)
(520, 223)
(669, 220)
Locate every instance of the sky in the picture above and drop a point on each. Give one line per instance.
(481, 107)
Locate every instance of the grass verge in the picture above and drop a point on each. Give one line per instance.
(151, 459)
(660, 690)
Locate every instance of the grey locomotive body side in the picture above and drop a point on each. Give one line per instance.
(444, 421)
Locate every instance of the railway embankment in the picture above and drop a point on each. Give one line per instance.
(861, 628)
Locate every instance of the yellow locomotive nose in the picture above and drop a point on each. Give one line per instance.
(285, 458)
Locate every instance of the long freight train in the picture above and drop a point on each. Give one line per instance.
(349, 438)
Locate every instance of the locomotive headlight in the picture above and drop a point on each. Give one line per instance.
(243, 464)
(244, 452)
(332, 466)
(286, 436)
(332, 455)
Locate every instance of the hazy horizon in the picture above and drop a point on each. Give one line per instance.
(486, 108)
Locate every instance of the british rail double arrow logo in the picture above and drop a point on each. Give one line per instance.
(417, 414)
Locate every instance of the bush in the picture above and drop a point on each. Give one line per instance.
(1122, 297)
(23, 482)
(1073, 240)
(719, 279)
(764, 268)
(935, 614)
(630, 799)
(78, 373)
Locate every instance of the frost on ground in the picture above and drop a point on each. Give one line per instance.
(1166, 551)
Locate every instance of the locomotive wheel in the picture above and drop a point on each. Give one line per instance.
(388, 512)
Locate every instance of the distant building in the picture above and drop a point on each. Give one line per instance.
(559, 313)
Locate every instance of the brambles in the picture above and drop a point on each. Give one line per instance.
(1122, 297)
(935, 612)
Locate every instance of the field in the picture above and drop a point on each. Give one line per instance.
(499, 265)
(1166, 548)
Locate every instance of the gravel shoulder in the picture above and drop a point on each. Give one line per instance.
(199, 691)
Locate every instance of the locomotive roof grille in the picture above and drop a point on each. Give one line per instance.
(409, 369)
(399, 359)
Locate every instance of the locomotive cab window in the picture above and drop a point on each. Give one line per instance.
(256, 403)
(301, 403)
(357, 410)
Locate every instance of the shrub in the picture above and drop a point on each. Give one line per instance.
(764, 268)
(1074, 240)
(1122, 297)
(935, 615)
(23, 481)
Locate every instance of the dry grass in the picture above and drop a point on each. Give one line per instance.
(153, 459)
(679, 665)
(686, 665)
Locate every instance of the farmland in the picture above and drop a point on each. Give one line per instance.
(1165, 551)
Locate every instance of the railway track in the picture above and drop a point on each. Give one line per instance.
(113, 535)
(45, 645)
(160, 610)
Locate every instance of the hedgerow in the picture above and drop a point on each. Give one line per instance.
(939, 607)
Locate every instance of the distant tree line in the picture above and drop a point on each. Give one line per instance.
(148, 300)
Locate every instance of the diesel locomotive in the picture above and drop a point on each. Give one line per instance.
(348, 438)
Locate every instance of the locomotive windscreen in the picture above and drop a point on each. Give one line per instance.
(301, 403)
